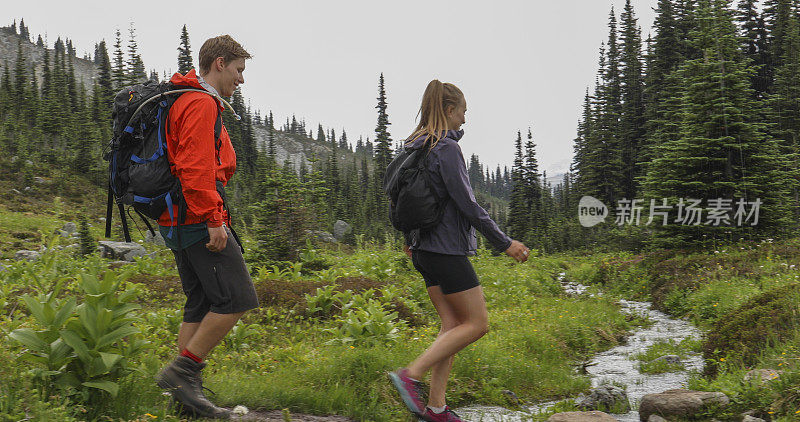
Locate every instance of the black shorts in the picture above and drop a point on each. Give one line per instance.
(214, 281)
(452, 273)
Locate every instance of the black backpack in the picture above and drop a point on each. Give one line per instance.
(415, 204)
(139, 167)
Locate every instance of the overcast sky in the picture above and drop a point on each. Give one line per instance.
(519, 63)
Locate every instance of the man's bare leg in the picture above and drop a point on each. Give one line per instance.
(185, 333)
(210, 332)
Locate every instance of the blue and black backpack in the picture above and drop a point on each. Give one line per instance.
(139, 167)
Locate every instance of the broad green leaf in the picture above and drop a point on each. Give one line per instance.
(109, 386)
(76, 343)
(116, 335)
(29, 339)
(110, 359)
(64, 313)
(59, 351)
(36, 308)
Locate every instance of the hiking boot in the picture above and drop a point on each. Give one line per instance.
(446, 416)
(410, 391)
(182, 378)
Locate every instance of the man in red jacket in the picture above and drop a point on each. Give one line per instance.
(213, 274)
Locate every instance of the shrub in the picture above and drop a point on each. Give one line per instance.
(741, 335)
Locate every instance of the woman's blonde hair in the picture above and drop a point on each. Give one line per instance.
(437, 98)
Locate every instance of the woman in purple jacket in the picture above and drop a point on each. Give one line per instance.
(440, 254)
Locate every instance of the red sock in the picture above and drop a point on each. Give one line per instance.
(190, 355)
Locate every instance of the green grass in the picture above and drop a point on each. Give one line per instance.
(282, 357)
(682, 349)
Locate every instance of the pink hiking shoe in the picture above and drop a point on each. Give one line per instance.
(446, 416)
(410, 391)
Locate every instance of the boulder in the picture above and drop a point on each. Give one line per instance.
(680, 403)
(41, 180)
(593, 416)
(70, 228)
(126, 251)
(321, 236)
(341, 229)
(656, 418)
(605, 397)
(669, 359)
(156, 240)
(27, 255)
(763, 375)
(748, 418)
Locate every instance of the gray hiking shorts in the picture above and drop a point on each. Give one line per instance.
(214, 281)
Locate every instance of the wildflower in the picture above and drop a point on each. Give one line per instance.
(722, 359)
(152, 416)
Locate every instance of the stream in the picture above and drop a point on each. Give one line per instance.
(615, 365)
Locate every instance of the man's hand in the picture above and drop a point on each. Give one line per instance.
(407, 250)
(518, 251)
(218, 238)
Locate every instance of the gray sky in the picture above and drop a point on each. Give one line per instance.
(519, 63)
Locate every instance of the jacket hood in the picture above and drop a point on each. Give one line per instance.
(450, 134)
(189, 79)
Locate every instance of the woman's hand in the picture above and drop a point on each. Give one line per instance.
(518, 251)
(407, 250)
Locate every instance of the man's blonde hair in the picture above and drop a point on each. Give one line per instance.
(222, 46)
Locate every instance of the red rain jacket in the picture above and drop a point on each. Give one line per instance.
(192, 155)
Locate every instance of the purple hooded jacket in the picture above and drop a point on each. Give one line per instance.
(455, 235)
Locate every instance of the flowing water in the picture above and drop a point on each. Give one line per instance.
(615, 366)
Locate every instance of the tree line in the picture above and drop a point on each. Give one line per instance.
(701, 119)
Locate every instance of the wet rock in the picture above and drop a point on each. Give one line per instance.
(680, 403)
(27, 255)
(656, 418)
(748, 418)
(593, 416)
(669, 359)
(27, 188)
(763, 375)
(41, 180)
(16, 191)
(341, 229)
(321, 236)
(125, 251)
(605, 397)
(156, 240)
(512, 397)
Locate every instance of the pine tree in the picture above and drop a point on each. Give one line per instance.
(785, 108)
(722, 150)
(40, 42)
(383, 141)
(185, 63)
(533, 193)
(118, 73)
(632, 119)
(343, 140)
(517, 212)
(135, 66)
(320, 134)
(23, 30)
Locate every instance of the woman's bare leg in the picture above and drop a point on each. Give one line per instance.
(470, 309)
(440, 372)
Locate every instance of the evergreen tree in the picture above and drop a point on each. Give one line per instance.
(40, 42)
(320, 134)
(722, 150)
(185, 63)
(135, 66)
(785, 108)
(23, 30)
(632, 118)
(118, 73)
(517, 212)
(383, 141)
